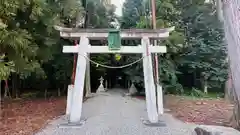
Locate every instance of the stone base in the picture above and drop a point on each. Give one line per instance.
(72, 125)
(167, 110)
(101, 89)
(158, 124)
(102, 94)
(127, 94)
(90, 95)
(132, 90)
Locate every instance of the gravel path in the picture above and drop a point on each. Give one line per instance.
(114, 114)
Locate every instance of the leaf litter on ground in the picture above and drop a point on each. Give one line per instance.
(26, 117)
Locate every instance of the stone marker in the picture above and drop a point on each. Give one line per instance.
(132, 90)
(101, 87)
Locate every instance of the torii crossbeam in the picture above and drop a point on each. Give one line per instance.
(84, 48)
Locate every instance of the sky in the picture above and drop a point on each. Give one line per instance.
(118, 4)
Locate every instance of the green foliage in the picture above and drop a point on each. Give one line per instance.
(30, 95)
(206, 52)
(29, 42)
(99, 16)
(27, 34)
(31, 48)
(6, 68)
(168, 72)
(195, 47)
(196, 93)
(132, 11)
(16, 43)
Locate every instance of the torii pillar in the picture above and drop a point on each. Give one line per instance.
(84, 49)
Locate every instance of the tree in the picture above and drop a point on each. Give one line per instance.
(27, 34)
(191, 46)
(132, 10)
(167, 66)
(206, 52)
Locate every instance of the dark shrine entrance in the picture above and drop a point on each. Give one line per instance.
(116, 78)
(113, 77)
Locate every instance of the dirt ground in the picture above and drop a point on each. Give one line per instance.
(200, 111)
(27, 117)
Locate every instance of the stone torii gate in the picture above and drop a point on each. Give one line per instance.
(82, 69)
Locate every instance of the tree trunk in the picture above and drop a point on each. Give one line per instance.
(5, 90)
(5, 93)
(15, 90)
(219, 10)
(109, 83)
(236, 111)
(204, 84)
(232, 33)
(194, 79)
(45, 94)
(228, 88)
(106, 84)
(205, 87)
(16, 86)
(1, 90)
(65, 87)
(226, 95)
(59, 92)
(13, 86)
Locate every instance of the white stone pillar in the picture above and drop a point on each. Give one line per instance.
(160, 99)
(69, 99)
(149, 82)
(106, 85)
(77, 99)
(88, 78)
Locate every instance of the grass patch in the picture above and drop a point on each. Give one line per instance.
(198, 94)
